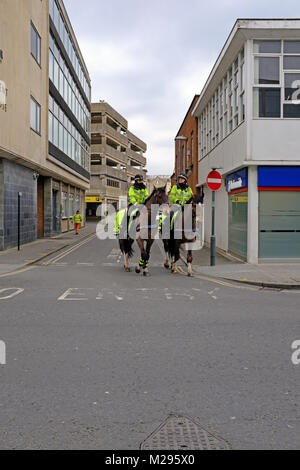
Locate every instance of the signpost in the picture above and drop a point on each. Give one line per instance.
(214, 182)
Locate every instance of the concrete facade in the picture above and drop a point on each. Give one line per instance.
(235, 131)
(117, 155)
(25, 152)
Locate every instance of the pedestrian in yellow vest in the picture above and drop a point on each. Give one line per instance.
(77, 219)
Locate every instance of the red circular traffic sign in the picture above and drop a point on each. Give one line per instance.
(214, 180)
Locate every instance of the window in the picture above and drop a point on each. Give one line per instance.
(266, 70)
(277, 87)
(292, 86)
(267, 102)
(35, 44)
(35, 116)
(50, 136)
(291, 47)
(64, 205)
(292, 95)
(113, 183)
(291, 62)
(267, 47)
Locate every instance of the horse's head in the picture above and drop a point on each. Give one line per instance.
(160, 196)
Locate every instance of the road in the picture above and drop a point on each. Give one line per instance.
(97, 358)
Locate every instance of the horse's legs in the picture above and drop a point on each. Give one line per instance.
(175, 258)
(166, 248)
(140, 243)
(126, 263)
(147, 257)
(189, 260)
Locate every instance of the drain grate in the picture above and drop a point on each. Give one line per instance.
(181, 433)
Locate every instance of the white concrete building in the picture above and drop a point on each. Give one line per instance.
(249, 124)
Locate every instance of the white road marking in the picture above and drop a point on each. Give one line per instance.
(2, 353)
(16, 291)
(74, 291)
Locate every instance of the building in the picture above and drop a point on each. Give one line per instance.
(117, 156)
(158, 181)
(44, 120)
(186, 148)
(249, 125)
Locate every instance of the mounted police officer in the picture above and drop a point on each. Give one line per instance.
(179, 195)
(181, 192)
(137, 194)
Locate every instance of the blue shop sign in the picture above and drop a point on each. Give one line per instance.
(237, 180)
(281, 176)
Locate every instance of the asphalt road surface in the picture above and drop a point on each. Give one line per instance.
(97, 358)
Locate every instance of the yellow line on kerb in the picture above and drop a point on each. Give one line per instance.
(217, 281)
(68, 251)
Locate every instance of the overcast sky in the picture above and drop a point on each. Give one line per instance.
(148, 58)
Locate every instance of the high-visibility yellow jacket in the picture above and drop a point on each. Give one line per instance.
(137, 196)
(180, 196)
(77, 219)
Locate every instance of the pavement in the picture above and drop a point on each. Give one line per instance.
(270, 275)
(31, 253)
(279, 275)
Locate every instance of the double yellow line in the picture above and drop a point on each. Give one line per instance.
(217, 281)
(70, 250)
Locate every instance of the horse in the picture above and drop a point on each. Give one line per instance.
(172, 244)
(143, 226)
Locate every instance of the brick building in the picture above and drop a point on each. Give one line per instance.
(186, 148)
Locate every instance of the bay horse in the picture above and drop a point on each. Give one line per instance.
(144, 239)
(172, 244)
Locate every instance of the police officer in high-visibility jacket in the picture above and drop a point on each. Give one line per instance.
(179, 195)
(137, 194)
(181, 192)
(77, 220)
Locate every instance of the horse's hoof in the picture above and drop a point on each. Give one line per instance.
(166, 265)
(127, 269)
(190, 275)
(145, 273)
(174, 271)
(137, 270)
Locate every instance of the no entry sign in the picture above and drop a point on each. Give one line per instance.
(214, 180)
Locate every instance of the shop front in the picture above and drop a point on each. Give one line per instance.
(279, 212)
(237, 189)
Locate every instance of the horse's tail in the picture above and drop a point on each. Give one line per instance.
(126, 247)
(171, 244)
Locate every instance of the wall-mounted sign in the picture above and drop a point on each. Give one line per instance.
(237, 180)
(93, 199)
(3, 94)
(279, 176)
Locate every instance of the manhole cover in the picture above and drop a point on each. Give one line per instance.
(181, 433)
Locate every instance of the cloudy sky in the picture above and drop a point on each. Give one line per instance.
(148, 58)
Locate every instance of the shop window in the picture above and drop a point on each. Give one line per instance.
(64, 205)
